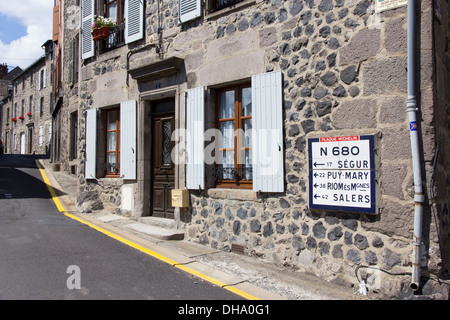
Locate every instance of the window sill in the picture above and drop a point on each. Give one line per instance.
(234, 194)
(227, 10)
(116, 176)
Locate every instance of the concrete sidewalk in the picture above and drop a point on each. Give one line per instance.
(250, 277)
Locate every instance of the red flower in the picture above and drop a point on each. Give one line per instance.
(21, 117)
(14, 119)
(29, 114)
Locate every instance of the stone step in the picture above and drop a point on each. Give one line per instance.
(157, 232)
(162, 222)
(160, 228)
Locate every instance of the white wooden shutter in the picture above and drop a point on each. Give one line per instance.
(267, 103)
(91, 143)
(134, 20)
(87, 19)
(128, 140)
(41, 136)
(50, 126)
(189, 9)
(195, 128)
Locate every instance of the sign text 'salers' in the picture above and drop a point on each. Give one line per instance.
(342, 174)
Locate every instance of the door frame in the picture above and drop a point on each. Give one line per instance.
(142, 203)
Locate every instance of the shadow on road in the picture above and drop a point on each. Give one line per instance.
(20, 178)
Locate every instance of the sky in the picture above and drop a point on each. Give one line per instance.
(25, 25)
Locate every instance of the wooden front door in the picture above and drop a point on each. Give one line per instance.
(163, 168)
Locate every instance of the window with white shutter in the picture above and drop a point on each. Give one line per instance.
(189, 9)
(195, 128)
(134, 20)
(267, 135)
(87, 19)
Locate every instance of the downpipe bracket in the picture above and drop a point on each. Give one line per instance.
(411, 105)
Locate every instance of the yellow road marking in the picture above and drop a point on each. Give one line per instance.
(49, 187)
(140, 248)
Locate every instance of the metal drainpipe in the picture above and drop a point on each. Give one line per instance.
(411, 109)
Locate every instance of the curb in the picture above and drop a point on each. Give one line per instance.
(153, 248)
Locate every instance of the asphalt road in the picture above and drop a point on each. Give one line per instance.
(46, 255)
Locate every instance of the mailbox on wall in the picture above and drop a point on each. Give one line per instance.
(180, 198)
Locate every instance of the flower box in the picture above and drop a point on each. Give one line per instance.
(100, 33)
(21, 117)
(102, 27)
(29, 114)
(14, 119)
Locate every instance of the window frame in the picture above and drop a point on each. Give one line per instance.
(120, 9)
(116, 173)
(116, 38)
(238, 182)
(73, 151)
(212, 12)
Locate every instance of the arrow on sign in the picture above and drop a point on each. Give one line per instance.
(318, 164)
(316, 196)
(315, 185)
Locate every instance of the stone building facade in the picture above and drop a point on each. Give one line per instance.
(66, 33)
(27, 122)
(330, 68)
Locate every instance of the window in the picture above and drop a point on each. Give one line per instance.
(41, 109)
(215, 5)
(31, 105)
(73, 62)
(128, 13)
(234, 121)
(42, 79)
(243, 160)
(112, 142)
(73, 135)
(115, 9)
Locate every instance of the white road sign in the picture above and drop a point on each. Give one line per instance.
(382, 5)
(342, 174)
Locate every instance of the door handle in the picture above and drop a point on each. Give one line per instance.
(166, 185)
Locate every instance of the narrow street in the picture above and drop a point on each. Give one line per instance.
(46, 255)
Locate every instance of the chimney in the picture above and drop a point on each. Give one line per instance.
(3, 70)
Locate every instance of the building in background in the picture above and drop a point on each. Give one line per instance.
(26, 110)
